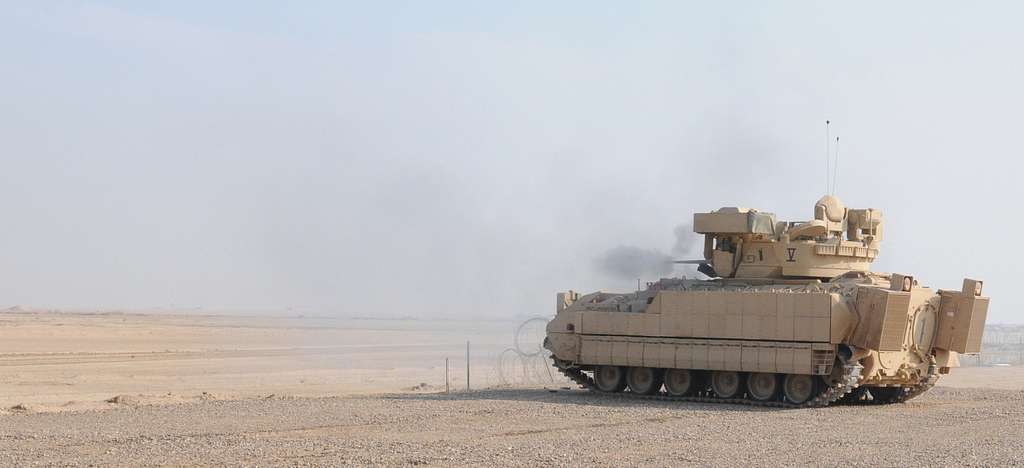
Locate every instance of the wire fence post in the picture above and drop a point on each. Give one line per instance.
(446, 388)
(467, 366)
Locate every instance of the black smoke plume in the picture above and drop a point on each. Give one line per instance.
(631, 262)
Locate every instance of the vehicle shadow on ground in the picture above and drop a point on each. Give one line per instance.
(576, 397)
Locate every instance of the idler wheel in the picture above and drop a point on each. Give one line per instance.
(679, 382)
(725, 384)
(643, 380)
(763, 387)
(798, 388)
(609, 378)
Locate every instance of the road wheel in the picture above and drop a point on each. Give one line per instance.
(763, 387)
(643, 380)
(798, 388)
(609, 378)
(679, 382)
(725, 384)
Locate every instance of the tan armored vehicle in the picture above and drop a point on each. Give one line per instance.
(793, 318)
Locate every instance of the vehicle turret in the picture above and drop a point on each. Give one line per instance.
(747, 243)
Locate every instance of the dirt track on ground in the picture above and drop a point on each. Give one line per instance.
(524, 427)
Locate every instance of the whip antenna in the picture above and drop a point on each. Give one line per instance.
(835, 175)
(828, 155)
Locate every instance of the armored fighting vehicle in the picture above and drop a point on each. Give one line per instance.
(792, 316)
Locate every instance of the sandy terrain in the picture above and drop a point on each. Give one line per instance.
(56, 362)
(527, 428)
(286, 391)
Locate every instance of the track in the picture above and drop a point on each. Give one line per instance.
(842, 387)
(891, 395)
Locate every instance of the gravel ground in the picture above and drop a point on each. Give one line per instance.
(523, 427)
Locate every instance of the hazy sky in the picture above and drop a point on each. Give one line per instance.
(442, 159)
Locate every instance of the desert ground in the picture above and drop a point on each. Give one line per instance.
(169, 388)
